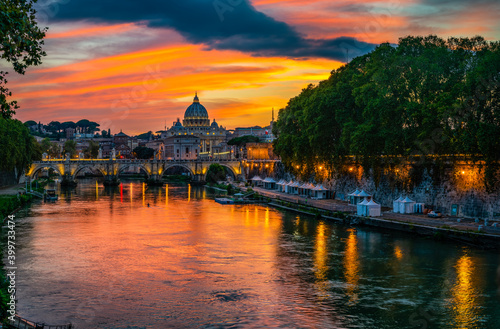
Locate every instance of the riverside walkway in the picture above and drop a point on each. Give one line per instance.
(465, 225)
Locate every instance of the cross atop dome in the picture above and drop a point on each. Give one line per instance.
(196, 99)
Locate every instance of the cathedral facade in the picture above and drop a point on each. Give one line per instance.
(211, 141)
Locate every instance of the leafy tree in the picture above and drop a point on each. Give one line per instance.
(92, 150)
(68, 124)
(427, 96)
(45, 145)
(21, 43)
(142, 152)
(70, 147)
(30, 123)
(215, 173)
(83, 125)
(145, 136)
(55, 151)
(18, 149)
(54, 126)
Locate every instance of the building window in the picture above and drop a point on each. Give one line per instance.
(187, 150)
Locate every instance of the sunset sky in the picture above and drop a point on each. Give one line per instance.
(134, 65)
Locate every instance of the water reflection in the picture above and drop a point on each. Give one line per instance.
(202, 264)
(321, 259)
(352, 266)
(398, 252)
(465, 308)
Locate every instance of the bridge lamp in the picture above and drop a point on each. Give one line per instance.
(351, 169)
(320, 167)
(267, 166)
(297, 167)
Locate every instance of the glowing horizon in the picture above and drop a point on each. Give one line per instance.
(131, 74)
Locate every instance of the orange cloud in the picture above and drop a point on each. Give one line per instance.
(141, 90)
(91, 31)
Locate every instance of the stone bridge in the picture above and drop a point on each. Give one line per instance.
(154, 169)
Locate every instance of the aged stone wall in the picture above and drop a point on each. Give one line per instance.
(460, 187)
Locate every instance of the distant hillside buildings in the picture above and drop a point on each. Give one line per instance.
(197, 137)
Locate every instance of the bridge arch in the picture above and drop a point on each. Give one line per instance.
(174, 165)
(226, 166)
(80, 168)
(231, 170)
(122, 168)
(39, 167)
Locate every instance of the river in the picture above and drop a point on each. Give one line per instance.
(170, 257)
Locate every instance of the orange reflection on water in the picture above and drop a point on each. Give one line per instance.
(351, 266)
(398, 252)
(464, 296)
(96, 191)
(143, 194)
(321, 259)
(189, 192)
(166, 194)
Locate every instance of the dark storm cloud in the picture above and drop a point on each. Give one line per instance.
(218, 24)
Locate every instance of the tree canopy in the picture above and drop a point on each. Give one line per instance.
(425, 96)
(18, 149)
(215, 173)
(21, 43)
(142, 152)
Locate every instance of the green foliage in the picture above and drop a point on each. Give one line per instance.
(92, 150)
(70, 147)
(18, 149)
(215, 173)
(242, 140)
(427, 96)
(142, 152)
(145, 136)
(30, 123)
(20, 44)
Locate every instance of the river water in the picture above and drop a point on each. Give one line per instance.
(170, 257)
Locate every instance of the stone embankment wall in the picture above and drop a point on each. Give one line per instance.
(459, 189)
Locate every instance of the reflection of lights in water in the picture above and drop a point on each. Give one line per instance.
(131, 192)
(96, 191)
(297, 223)
(464, 295)
(189, 192)
(267, 218)
(320, 259)
(143, 194)
(351, 266)
(166, 194)
(398, 252)
(121, 193)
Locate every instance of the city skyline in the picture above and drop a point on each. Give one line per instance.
(134, 68)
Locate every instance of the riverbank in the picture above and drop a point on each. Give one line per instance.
(465, 231)
(11, 201)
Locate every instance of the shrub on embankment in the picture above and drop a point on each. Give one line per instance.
(9, 203)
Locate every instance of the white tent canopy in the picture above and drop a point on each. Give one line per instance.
(395, 204)
(361, 208)
(373, 209)
(407, 206)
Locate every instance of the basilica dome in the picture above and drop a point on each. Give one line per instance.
(196, 115)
